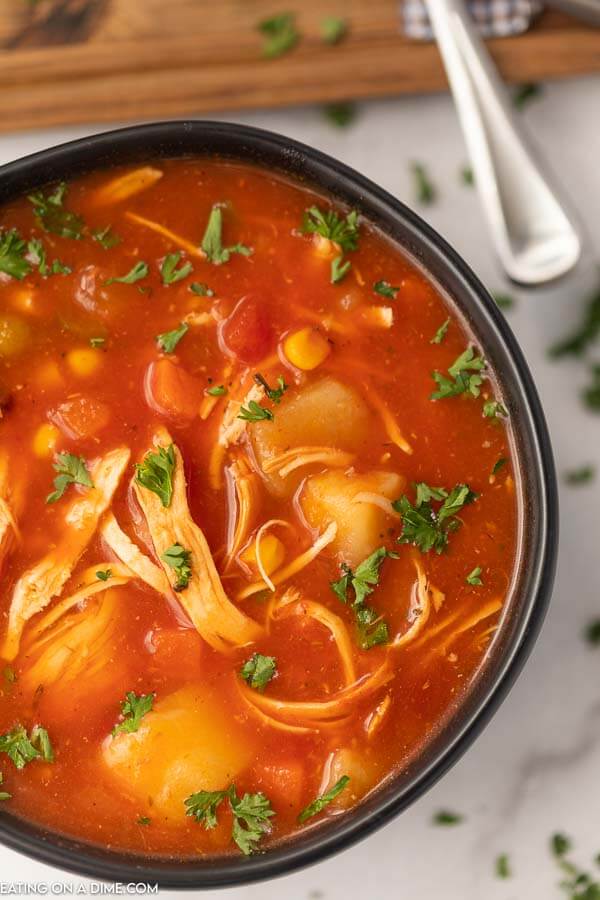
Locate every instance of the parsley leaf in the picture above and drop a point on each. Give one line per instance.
(37, 253)
(203, 807)
(12, 254)
(333, 29)
(445, 817)
(281, 34)
(212, 242)
(440, 333)
(474, 577)
(72, 470)
(139, 271)
(343, 231)
(168, 340)
(156, 473)
(178, 558)
(493, 409)
(274, 394)
(500, 462)
(425, 527)
(201, 289)
(372, 630)
(106, 237)
(169, 271)
(251, 814)
(144, 820)
(425, 192)
(254, 412)
(259, 670)
(319, 803)
(582, 337)
(524, 93)
(217, 390)
(104, 575)
(340, 114)
(59, 268)
(339, 269)
(52, 216)
(464, 376)
(133, 710)
(385, 289)
(583, 475)
(560, 844)
(22, 749)
(4, 795)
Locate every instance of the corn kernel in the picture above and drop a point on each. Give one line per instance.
(44, 440)
(84, 361)
(272, 553)
(306, 349)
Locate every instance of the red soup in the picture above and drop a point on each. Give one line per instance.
(258, 515)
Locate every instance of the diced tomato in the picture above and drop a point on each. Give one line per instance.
(80, 417)
(172, 391)
(178, 648)
(247, 332)
(282, 782)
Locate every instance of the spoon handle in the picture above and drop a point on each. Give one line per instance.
(533, 235)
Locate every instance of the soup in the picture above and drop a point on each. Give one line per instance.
(258, 516)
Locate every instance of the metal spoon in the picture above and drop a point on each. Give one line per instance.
(534, 237)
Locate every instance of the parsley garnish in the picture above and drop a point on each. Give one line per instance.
(440, 333)
(503, 866)
(504, 301)
(169, 339)
(59, 268)
(386, 289)
(583, 336)
(319, 803)
(274, 394)
(12, 254)
(4, 795)
(169, 271)
(106, 237)
(133, 710)
(343, 231)
(426, 528)
(526, 92)
(139, 271)
(144, 820)
(178, 558)
(72, 470)
(333, 29)
(500, 462)
(445, 817)
(259, 670)
(201, 289)
(254, 412)
(218, 390)
(425, 192)
(493, 409)
(104, 575)
(281, 34)
(372, 630)
(340, 114)
(583, 475)
(37, 253)
(464, 377)
(339, 269)
(251, 814)
(156, 473)
(22, 749)
(474, 577)
(51, 215)
(212, 242)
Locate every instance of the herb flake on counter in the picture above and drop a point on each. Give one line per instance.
(474, 577)
(4, 795)
(274, 394)
(591, 394)
(464, 376)
(136, 273)
(341, 114)
(71, 470)
(106, 237)
(168, 340)
(254, 412)
(251, 814)
(259, 670)
(319, 803)
(133, 710)
(212, 242)
(560, 844)
(22, 749)
(425, 192)
(446, 817)
(104, 575)
(504, 301)
(581, 338)
(169, 272)
(201, 289)
(582, 475)
(178, 559)
(13, 249)
(52, 216)
(592, 632)
(385, 289)
(467, 176)
(155, 473)
(371, 628)
(333, 29)
(280, 34)
(425, 527)
(502, 866)
(441, 332)
(525, 93)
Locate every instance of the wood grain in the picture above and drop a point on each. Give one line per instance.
(120, 59)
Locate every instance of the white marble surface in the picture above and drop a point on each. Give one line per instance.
(535, 768)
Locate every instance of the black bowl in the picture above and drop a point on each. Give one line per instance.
(539, 511)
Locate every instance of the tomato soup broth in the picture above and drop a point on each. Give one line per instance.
(257, 508)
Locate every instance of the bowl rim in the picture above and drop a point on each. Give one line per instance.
(288, 157)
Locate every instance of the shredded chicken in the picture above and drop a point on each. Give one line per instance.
(286, 462)
(243, 496)
(172, 236)
(10, 501)
(232, 427)
(129, 553)
(124, 186)
(427, 598)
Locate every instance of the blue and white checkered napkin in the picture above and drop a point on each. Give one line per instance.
(494, 18)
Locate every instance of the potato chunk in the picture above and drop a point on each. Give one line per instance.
(361, 527)
(187, 743)
(326, 413)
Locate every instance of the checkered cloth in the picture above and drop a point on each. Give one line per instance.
(494, 18)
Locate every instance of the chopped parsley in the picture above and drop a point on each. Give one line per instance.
(168, 340)
(524, 93)
(274, 394)
(144, 820)
(582, 475)
(178, 558)
(560, 844)
(340, 114)
(464, 376)
(500, 462)
(37, 254)
(371, 628)
(342, 231)
(106, 237)
(577, 883)
(428, 528)
(169, 272)
(254, 412)
(104, 575)
(212, 242)
(504, 301)
(4, 795)
(587, 332)
(12, 255)
(474, 577)
(592, 633)
(503, 866)
(385, 289)
(339, 269)
(201, 289)
(280, 34)
(251, 814)
(133, 710)
(319, 803)
(446, 817)
(71, 470)
(259, 670)
(59, 268)
(22, 749)
(156, 473)
(51, 215)
(333, 29)
(440, 333)
(218, 390)
(136, 273)
(467, 176)
(493, 409)
(425, 192)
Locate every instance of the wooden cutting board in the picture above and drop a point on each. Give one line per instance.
(68, 61)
